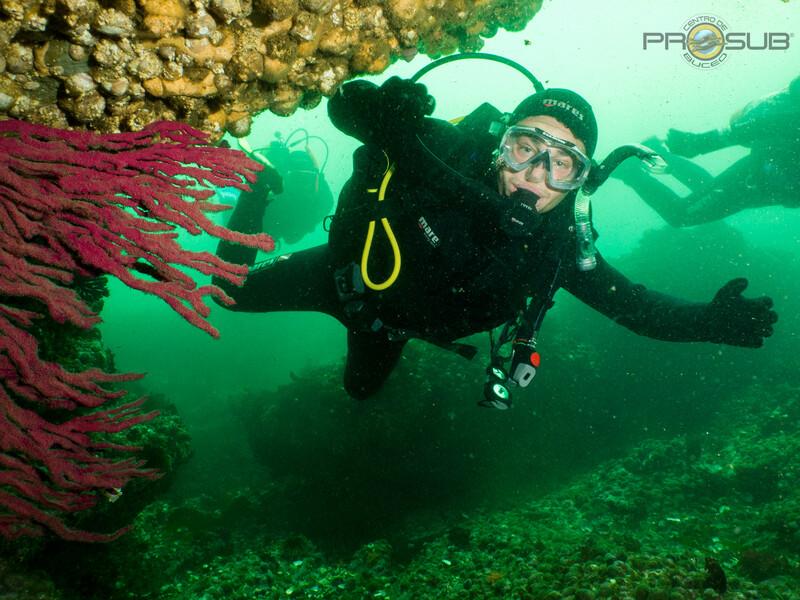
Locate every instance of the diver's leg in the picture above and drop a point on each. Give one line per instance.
(732, 191)
(302, 281)
(305, 281)
(724, 195)
(658, 196)
(712, 198)
(684, 170)
(688, 172)
(371, 357)
(294, 282)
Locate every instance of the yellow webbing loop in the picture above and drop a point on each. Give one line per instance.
(389, 234)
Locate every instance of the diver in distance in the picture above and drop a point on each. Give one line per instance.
(768, 175)
(444, 230)
(291, 186)
(306, 199)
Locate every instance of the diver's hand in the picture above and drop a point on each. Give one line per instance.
(349, 106)
(732, 319)
(389, 115)
(403, 105)
(520, 219)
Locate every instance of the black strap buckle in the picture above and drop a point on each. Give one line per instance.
(349, 283)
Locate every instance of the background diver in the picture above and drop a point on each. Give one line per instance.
(479, 230)
(768, 175)
(292, 186)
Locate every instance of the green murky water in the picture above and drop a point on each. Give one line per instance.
(626, 465)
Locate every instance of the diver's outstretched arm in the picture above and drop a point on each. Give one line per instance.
(729, 318)
(247, 217)
(301, 281)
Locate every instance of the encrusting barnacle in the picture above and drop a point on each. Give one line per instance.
(214, 64)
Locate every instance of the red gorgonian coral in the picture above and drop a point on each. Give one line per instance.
(82, 204)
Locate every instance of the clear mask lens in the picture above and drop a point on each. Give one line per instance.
(565, 164)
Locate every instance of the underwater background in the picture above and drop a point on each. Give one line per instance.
(631, 468)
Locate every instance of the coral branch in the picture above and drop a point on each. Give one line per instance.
(81, 204)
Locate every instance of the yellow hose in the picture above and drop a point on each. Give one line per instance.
(389, 234)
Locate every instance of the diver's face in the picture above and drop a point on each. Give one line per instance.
(534, 177)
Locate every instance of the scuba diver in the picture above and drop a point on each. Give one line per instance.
(767, 176)
(291, 185)
(468, 227)
(306, 198)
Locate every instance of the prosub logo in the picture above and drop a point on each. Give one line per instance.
(706, 41)
(550, 103)
(433, 239)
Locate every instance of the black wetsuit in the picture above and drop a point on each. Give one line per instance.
(460, 272)
(770, 127)
(768, 175)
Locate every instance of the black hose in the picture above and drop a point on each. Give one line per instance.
(290, 144)
(463, 56)
(537, 85)
(601, 173)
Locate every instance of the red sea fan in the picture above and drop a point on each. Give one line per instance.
(81, 204)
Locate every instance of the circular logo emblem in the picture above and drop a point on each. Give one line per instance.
(705, 41)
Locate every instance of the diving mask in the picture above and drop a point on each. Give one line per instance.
(522, 147)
